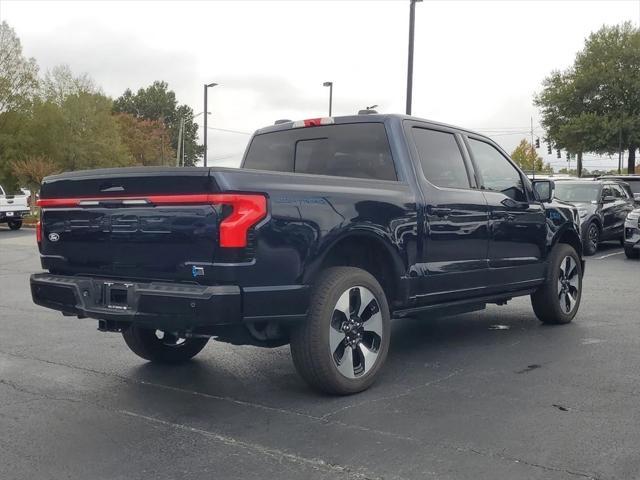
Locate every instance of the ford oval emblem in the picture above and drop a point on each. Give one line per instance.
(54, 237)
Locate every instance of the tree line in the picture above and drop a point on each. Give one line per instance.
(60, 121)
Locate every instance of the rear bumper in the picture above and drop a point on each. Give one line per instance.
(17, 215)
(168, 306)
(165, 306)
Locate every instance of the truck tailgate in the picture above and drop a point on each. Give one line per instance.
(156, 223)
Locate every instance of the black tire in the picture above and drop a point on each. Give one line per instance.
(15, 224)
(549, 302)
(591, 239)
(631, 252)
(311, 341)
(169, 349)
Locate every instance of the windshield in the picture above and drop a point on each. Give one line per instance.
(577, 192)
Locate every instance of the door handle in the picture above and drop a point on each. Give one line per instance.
(439, 211)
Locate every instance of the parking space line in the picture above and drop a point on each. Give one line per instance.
(608, 255)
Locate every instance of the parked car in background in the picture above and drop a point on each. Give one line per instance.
(13, 208)
(632, 180)
(332, 227)
(603, 206)
(632, 234)
(554, 177)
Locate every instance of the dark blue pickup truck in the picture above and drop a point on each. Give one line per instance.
(331, 228)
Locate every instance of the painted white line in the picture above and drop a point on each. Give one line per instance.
(609, 255)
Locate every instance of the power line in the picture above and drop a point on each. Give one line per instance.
(229, 131)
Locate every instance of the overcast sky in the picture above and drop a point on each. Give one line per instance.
(477, 63)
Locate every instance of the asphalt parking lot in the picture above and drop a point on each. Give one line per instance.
(489, 395)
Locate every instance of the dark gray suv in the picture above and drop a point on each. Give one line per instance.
(632, 180)
(603, 206)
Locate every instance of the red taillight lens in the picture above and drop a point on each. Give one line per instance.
(39, 231)
(247, 211)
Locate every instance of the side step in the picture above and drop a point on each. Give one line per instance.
(462, 306)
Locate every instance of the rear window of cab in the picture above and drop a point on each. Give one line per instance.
(357, 150)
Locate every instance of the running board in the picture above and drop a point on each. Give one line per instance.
(463, 306)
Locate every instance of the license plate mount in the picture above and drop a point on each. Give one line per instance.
(117, 296)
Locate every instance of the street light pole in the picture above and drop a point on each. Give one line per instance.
(179, 142)
(412, 21)
(206, 87)
(330, 85)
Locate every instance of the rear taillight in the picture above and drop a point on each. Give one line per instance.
(248, 210)
(39, 232)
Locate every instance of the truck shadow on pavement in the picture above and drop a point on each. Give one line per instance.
(422, 351)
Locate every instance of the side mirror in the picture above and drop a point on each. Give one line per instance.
(544, 190)
(608, 199)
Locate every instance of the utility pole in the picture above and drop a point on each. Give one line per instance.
(535, 153)
(162, 149)
(183, 141)
(179, 142)
(412, 21)
(206, 87)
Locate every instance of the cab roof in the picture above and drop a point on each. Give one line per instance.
(370, 118)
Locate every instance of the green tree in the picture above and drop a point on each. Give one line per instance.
(92, 133)
(157, 102)
(18, 88)
(527, 158)
(594, 106)
(18, 75)
(81, 133)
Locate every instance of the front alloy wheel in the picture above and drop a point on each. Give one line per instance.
(558, 299)
(568, 284)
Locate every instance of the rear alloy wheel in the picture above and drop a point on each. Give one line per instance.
(355, 333)
(592, 239)
(15, 224)
(558, 300)
(162, 347)
(342, 345)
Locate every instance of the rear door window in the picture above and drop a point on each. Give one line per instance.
(619, 192)
(441, 158)
(358, 150)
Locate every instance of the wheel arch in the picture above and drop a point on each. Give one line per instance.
(570, 237)
(367, 249)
